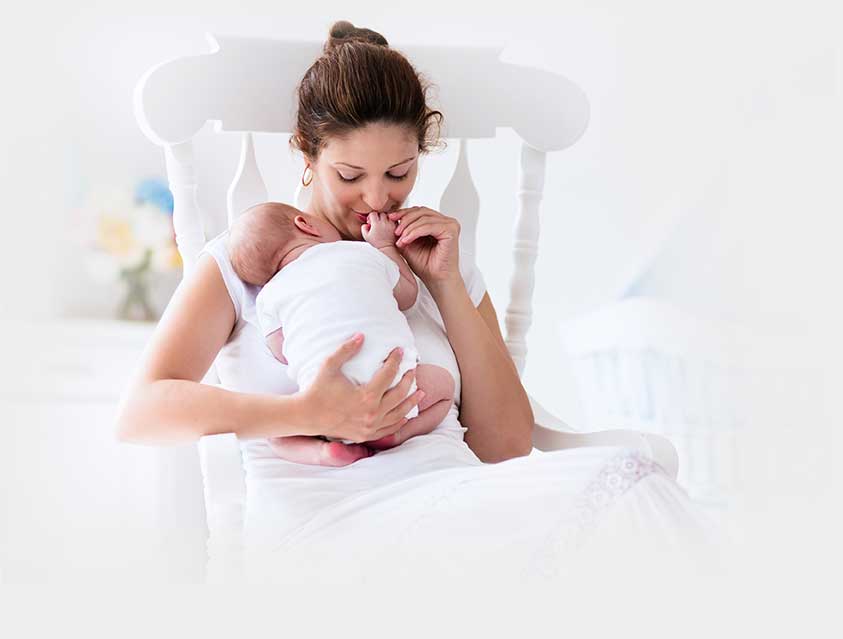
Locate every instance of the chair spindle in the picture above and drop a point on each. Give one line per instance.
(519, 312)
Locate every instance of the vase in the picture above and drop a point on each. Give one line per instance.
(136, 283)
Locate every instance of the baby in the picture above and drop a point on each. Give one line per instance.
(318, 290)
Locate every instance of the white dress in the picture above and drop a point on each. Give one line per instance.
(430, 509)
(323, 297)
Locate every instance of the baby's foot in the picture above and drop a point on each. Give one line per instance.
(339, 454)
(317, 451)
(390, 441)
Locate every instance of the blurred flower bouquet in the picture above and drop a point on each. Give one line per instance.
(130, 238)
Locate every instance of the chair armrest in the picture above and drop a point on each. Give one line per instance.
(551, 433)
(223, 475)
(225, 498)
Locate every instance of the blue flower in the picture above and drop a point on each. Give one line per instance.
(154, 191)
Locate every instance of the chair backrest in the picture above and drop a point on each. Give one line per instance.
(248, 85)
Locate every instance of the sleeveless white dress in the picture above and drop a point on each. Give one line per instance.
(430, 510)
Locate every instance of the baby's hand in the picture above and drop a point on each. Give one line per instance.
(379, 231)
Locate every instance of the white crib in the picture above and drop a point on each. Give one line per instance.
(247, 85)
(643, 363)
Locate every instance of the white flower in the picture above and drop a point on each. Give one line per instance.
(133, 257)
(121, 234)
(153, 228)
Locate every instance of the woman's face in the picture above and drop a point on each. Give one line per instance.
(373, 168)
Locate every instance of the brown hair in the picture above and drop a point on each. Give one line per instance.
(356, 81)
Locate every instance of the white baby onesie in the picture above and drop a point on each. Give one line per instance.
(324, 296)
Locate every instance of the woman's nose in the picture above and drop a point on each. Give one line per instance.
(376, 199)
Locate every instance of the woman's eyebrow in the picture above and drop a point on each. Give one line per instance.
(360, 168)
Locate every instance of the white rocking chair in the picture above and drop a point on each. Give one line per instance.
(248, 84)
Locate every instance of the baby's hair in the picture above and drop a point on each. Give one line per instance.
(256, 239)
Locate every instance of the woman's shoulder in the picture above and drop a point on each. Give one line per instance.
(242, 295)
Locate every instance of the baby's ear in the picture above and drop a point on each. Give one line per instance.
(304, 226)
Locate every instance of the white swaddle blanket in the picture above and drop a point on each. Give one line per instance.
(327, 294)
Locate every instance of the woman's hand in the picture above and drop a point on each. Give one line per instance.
(414, 428)
(338, 408)
(429, 241)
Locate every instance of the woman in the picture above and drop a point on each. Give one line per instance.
(362, 122)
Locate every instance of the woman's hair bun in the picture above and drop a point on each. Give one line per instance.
(343, 31)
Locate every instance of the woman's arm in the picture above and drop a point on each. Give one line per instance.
(494, 406)
(167, 403)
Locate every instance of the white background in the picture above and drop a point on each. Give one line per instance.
(709, 175)
(714, 139)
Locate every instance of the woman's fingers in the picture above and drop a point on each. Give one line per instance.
(404, 407)
(413, 428)
(407, 217)
(380, 433)
(419, 230)
(400, 213)
(406, 226)
(406, 220)
(345, 352)
(395, 395)
(382, 379)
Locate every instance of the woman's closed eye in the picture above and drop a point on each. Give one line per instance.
(397, 178)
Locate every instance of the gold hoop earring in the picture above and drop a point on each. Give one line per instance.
(306, 169)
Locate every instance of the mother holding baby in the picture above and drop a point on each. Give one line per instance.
(467, 496)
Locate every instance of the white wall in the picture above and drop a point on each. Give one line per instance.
(674, 91)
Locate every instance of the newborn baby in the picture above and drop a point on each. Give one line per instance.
(318, 290)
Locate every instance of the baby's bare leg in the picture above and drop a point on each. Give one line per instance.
(275, 341)
(438, 385)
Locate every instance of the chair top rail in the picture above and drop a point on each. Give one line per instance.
(249, 84)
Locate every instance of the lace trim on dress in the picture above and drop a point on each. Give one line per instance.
(618, 475)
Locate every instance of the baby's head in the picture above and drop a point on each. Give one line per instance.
(265, 234)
